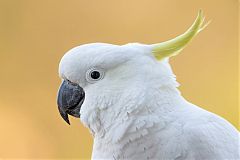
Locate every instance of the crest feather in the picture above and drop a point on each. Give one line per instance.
(174, 46)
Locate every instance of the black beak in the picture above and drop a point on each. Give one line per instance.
(70, 98)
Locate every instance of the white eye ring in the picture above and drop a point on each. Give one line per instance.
(94, 74)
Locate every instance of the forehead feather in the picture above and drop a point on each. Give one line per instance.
(103, 55)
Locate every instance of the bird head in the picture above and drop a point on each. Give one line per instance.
(106, 80)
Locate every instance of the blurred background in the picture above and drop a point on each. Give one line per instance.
(34, 35)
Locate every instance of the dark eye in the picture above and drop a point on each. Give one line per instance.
(94, 75)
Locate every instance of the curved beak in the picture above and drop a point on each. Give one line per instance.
(70, 98)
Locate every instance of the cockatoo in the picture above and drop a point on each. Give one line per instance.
(128, 98)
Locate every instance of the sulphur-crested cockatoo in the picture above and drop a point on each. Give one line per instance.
(127, 96)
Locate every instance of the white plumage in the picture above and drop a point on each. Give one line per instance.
(136, 112)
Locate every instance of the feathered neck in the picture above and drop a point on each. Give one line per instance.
(128, 128)
(142, 106)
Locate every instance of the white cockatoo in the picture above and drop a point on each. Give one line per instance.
(128, 98)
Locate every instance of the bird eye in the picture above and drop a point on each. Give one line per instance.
(94, 75)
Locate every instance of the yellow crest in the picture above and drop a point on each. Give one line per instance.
(174, 46)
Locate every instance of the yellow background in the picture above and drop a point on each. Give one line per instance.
(34, 35)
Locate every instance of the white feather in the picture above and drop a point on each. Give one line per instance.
(136, 111)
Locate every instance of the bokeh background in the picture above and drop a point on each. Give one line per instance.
(34, 35)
